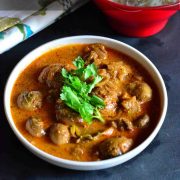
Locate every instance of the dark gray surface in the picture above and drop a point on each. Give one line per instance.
(161, 160)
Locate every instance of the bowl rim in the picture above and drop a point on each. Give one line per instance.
(120, 6)
(78, 165)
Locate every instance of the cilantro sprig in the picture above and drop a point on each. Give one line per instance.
(76, 92)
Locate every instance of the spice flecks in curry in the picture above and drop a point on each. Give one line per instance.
(131, 111)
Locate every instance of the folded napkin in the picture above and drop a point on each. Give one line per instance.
(21, 19)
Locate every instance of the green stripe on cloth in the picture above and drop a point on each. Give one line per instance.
(6, 23)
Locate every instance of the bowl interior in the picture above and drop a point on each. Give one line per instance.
(139, 57)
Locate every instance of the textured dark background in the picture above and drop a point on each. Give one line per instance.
(161, 160)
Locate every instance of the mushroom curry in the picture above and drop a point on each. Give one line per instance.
(85, 102)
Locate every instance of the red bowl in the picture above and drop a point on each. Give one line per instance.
(137, 21)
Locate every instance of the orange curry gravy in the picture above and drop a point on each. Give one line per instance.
(28, 81)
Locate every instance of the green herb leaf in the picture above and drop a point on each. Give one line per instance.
(79, 62)
(64, 73)
(98, 115)
(70, 97)
(90, 70)
(86, 112)
(76, 91)
(97, 102)
(96, 80)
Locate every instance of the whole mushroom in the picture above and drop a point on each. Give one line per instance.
(31, 100)
(35, 126)
(116, 146)
(141, 90)
(59, 134)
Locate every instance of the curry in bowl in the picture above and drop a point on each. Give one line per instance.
(85, 102)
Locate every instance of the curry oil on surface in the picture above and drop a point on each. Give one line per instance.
(28, 81)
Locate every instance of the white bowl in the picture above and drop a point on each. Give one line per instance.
(122, 47)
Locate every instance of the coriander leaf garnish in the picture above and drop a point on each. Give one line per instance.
(97, 102)
(89, 71)
(70, 97)
(76, 92)
(64, 73)
(96, 80)
(79, 62)
(86, 112)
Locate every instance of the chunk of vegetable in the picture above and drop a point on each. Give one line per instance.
(95, 53)
(124, 124)
(141, 90)
(142, 121)
(66, 115)
(59, 134)
(74, 130)
(35, 126)
(131, 105)
(88, 137)
(30, 100)
(113, 147)
(50, 76)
